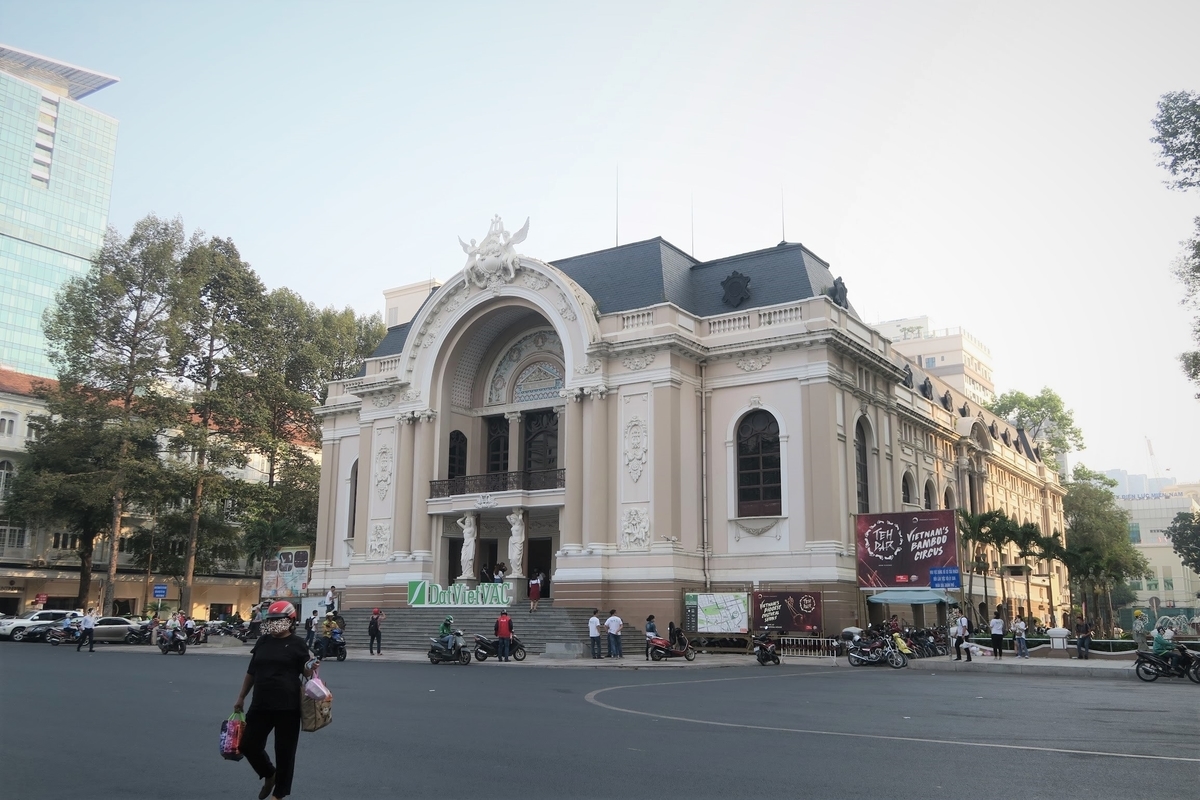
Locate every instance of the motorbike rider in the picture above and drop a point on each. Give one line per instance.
(327, 627)
(446, 633)
(1164, 646)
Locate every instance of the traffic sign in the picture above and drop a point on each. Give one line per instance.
(945, 578)
(160, 590)
(41, 599)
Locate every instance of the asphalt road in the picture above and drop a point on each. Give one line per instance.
(130, 723)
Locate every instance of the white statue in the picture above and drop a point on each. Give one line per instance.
(493, 260)
(467, 559)
(516, 543)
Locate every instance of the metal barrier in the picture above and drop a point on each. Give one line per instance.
(808, 647)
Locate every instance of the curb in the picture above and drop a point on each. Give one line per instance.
(993, 668)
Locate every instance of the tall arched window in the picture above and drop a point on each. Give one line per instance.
(456, 463)
(353, 498)
(541, 440)
(759, 470)
(7, 471)
(860, 468)
(930, 496)
(497, 444)
(949, 499)
(907, 490)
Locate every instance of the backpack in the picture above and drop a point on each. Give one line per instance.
(308, 624)
(970, 627)
(373, 625)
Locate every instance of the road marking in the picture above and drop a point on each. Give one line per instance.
(591, 698)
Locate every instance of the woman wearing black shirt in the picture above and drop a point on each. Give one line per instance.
(276, 664)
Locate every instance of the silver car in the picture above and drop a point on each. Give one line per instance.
(115, 629)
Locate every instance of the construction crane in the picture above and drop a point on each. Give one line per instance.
(1153, 460)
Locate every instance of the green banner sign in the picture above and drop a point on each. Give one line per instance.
(423, 594)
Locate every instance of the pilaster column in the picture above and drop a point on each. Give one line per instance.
(423, 451)
(571, 534)
(402, 511)
(596, 502)
(327, 501)
(362, 499)
(514, 440)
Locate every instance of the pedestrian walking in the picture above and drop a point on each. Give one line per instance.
(1022, 647)
(614, 624)
(1139, 629)
(87, 631)
(1083, 638)
(996, 624)
(329, 600)
(962, 630)
(374, 631)
(651, 632)
(310, 629)
(277, 661)
(594, 632)
(535, 591)
(504, 632)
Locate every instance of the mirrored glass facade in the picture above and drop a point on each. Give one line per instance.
(56, 168)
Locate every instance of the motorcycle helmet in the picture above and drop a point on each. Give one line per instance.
(281, 609)
(375, 611)
(449, 619)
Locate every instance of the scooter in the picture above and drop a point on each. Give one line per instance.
(57, 635)
(661, 648)
(173, 640)
(490, 648)
(332, 647)
(456, 653)
(1151, 667)
(765, 650)
(198, 635)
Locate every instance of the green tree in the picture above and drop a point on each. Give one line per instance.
(1028, 540)
(107, 334)
(1184, 533)
(220, 301)
(1177, 128)
(1044, 417)
(978, 532)
(165, 546)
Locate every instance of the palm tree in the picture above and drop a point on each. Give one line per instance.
(975, 530)
(1027, 538)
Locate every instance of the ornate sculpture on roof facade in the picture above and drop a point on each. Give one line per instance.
(494, 260)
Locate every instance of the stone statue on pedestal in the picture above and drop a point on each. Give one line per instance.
(470, 534)
(516, 543)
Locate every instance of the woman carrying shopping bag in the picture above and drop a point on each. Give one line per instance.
(277, 662)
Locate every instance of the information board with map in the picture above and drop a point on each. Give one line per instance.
(718, 613)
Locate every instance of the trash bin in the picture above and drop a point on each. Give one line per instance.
(1058, 638)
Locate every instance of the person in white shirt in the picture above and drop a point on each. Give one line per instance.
(329, 600)
(88, 627)
(1019, 642)
(960, 636)
(996, 623)
(614, 625)
(594, 632)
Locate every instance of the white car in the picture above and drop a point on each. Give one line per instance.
(15, 627)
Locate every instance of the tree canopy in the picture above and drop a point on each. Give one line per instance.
(1184, 533)
(1045, 419)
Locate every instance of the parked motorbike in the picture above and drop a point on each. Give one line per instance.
(139, 634)
(332, 647)
(765, 650)
(490, 648)
(58, 635)
(661, 648)
(173, 641)
(456, 653)
(198, 635)
(1151, 667)
(880, 650)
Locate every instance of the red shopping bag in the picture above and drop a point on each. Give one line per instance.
(231, 736)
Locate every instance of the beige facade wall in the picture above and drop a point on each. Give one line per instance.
(648, 408)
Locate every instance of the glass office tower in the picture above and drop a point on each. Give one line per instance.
(56, 167)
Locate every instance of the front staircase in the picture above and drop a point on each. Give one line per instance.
(411, 628)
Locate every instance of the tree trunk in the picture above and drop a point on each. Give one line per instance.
(114, 533)
(189, 567)
(149, 569)
(87, 546)
(1112, 621)
(1028, 594)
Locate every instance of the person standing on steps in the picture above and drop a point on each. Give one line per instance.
(996, 624)
(961, 631)
(329, 600)
(310, 629)
(504, 632)
(87, 631)
(594, 632)
(277, 661)
(535, 591)
(651, 632)
(614, 624)
(374, 632)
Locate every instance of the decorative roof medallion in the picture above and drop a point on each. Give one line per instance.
(737, 289)
(494, 260)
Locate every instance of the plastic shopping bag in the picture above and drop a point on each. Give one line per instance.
(231, 736)
(315, 688)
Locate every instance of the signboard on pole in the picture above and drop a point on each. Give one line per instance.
(786, 611)
(900, 550)
(41, 599)
(160, 590)
(945, 578)
(285, 574)
(719, 613)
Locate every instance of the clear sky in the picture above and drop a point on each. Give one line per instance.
(988, 165)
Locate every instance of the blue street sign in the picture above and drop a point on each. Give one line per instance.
(160, 590)
(945, 578)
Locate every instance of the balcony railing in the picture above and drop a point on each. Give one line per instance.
(500, 482)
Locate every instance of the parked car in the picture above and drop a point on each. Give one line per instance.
(15, 628)
(36, 633)
(115, 629)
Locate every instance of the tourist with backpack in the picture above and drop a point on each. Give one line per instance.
(374, 632)
(310, 629)
(962, 634)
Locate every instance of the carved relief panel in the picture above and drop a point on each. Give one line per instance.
(634, 454)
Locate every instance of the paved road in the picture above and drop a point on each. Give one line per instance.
(75, 724)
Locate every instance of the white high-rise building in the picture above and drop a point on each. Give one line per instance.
(952, 354)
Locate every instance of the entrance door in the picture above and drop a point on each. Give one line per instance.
(488, 549)
(10, 605)
(453, 559)
(539, 558)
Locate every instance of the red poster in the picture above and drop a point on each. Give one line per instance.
(786, 611)
(898, 550)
